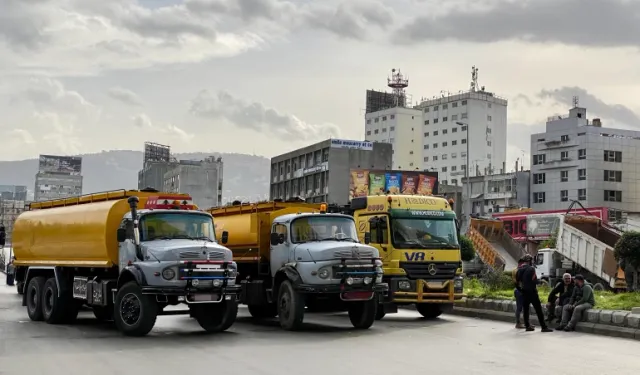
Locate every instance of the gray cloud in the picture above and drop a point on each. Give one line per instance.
(141, 120)
(599, 23)
(255, 116)
(21, 23)
(125, 96)
(615, 112)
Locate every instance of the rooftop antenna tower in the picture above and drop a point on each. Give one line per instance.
(474, 78)
(576, 101)
(398, 83)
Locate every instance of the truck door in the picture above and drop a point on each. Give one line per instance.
(379, 229)
(279, 252)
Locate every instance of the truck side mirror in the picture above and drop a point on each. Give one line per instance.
(225, 237)
(383, 224)
(275, 239)
(458, 227)
(121, 234)
(373, 223)
(367, 238)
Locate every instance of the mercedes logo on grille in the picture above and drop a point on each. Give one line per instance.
(432, 269)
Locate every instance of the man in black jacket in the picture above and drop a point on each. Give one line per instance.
(527, 280)
(559, 296)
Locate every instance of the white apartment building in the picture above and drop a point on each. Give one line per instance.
(578, 159)
(428, 136)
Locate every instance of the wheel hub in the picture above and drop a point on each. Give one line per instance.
(130, 309)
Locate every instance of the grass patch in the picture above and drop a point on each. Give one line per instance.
(604, 300)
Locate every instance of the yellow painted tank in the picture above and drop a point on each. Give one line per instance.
(249, 226)
(74, 232)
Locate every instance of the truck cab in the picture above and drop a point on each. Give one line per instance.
(417, 237)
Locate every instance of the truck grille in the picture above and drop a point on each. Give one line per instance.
(348, 253)
(190, 255)
(216, 255)
(420, 270)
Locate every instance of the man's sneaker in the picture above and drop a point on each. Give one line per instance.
(568, 329)
(530, 328)
(546, 329)
(519, 326)
(561, 327)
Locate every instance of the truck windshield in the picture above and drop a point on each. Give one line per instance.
(424, 233)
(166, 226)
(323, 228)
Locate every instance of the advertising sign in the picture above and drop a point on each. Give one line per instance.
(70, 165)
(542, 226)
(516, 223)
(363, 182)
(346, 143)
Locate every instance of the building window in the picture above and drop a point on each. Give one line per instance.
(463, 167)
(539, 178)
(444, 169)
(377, 119)
(464, 115)
(454, 105)
(435, 108)
(564, 176)
(464, 102)
(564, 195)
(426, 122)
(488, 117)
(454, 117)
(384, 118)
(426, 158)
(435, 158)
(564, 155)
(445, 118)
(613, 156)
(564, 138)
(613, 196)
(582, 154)
(410, 152)
(582, 174)
(444, 182)
(489, 143)
(539, 159)
(376, 131)
(444, 156)
(444, 144)
(384, 130)
(368, 132)
(435, 120)
(445, 106)
(464, 128)
(454, 167)
(582, 194)
(392, 117)
(454, 155)
(464, 141)
(426, 147)
(369, 121)
(539, 197)
(454, 181)
(426, 134)
(444, 131)
(454, 130)
(435, 145)
(426, 110)
(613, 176)
(435, 133)
(453, 143)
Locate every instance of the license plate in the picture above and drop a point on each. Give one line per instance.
(208, 266)
(203, 297)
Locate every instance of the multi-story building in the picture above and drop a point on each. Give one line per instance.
(495, 193)
(321, 172)
(578, 159)
(58, 177)
(200, 179)
(13, 192)
(9, 211)
(433, 135)
(152, 174)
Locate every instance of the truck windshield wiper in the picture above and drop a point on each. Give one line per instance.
(338, 239)
(187, 237)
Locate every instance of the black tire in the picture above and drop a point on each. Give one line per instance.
(20, 287)
(134, 314)
(57, 309)
(380, 312)
(216, 317)
(34, 298)
(290, 307)
(102, 313)
(263, 311)
(598, 287)
(428, 310)
(363, 313)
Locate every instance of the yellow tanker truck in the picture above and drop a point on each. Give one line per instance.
(292, 255)
(126, 263)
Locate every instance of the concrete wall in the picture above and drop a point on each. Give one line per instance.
(201, 180)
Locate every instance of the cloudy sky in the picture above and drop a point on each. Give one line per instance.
(266, 76)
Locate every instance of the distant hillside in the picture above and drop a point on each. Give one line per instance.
(246, 177)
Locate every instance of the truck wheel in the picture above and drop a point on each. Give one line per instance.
(362, 314)
(598, 287)
(102, 313)
(290, 307)
(216, 317)
(380, 312)
(263, 311)
(20, 287)
(134, 314)
(34, 298)
(429, 311)
(56, 308)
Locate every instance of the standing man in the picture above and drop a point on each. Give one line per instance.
(517, 293)
(559, 296)
(526, 277)
(581, 301)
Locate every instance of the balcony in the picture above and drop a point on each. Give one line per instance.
(557, 143)
(558, 163)
(500, 195)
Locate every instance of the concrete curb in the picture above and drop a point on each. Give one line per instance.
(625, 324)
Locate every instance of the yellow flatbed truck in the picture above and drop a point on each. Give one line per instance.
(417, 237)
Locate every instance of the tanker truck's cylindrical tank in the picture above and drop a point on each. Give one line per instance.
(243, 231)
(81, 235)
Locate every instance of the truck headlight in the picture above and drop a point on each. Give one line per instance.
(367, 280)
(324, 273)
(349, 281)
(232, 273)
(217, 282)
(404, 285)
(457, 284)
(168, 274)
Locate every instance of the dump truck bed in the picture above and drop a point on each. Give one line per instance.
(249, 226)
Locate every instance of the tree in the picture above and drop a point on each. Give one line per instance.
(467, 252)
(627, 253)
(550, 243)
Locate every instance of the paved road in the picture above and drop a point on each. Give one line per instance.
(399, 344)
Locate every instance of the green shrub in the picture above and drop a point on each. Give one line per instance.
(467, 251)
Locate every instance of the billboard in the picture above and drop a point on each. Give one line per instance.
(156, 152)
(516, 223)
(363, 182)
(69, 165)
(356, 145)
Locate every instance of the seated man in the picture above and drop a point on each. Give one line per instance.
(582, 299)
(559, 296)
